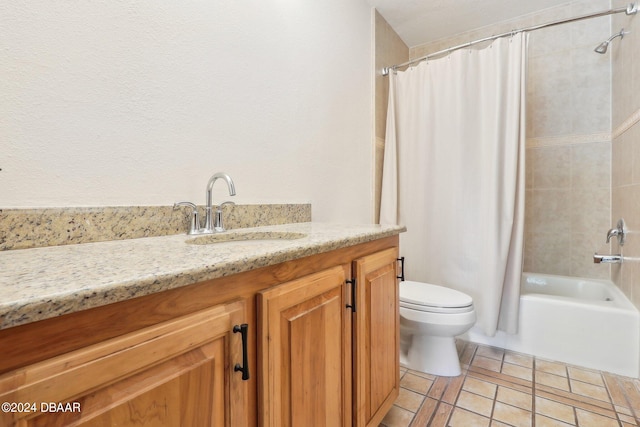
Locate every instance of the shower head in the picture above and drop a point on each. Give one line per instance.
(602, 47)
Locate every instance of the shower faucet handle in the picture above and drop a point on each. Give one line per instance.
(620, 231)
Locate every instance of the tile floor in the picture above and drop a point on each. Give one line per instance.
(501, 388)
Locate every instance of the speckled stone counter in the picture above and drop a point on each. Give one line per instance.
(33, 228)
(41, 283)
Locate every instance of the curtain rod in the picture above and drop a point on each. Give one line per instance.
(631, 9)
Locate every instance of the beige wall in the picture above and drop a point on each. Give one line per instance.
(568, 138)
(625, 56)
(389, 50)
(107, 103)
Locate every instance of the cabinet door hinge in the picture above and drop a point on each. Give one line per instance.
(352, 306)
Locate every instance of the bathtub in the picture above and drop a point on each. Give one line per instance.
(584, 322)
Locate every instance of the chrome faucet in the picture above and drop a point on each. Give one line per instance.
(619, 232)
(209, 225)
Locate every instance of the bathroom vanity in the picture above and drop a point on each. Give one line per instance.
(300, 331)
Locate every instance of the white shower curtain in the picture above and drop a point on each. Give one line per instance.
(454, 174)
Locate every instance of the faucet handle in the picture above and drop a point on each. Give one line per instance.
(194, 227)
(218, 226)
(620, 231)
(612, 233)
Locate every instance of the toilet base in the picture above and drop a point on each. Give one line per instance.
(433, 355)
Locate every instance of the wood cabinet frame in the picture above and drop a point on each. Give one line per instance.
(40, 341)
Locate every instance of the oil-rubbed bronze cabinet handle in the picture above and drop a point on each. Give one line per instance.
(352, 305)
(244, 368)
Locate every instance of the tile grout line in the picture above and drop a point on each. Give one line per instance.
(495, 393)
(495, 397)
(455, 401)
(435, 409)
(627, 398)
(573, 407)
(424, 402)
(493, 405)
(453, 406)
(612, 401)
(533, 391)
(636, 416)
(413, 417)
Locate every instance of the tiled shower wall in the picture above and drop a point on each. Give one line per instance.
(625, 56)
(568, 147)
(568, 187)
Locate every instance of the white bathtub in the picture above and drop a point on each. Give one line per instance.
(584, 322)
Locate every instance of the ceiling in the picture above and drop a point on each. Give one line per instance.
(421, 21)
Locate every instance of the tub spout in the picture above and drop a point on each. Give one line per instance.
(607, 259)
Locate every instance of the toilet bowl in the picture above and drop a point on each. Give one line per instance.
(431, 317)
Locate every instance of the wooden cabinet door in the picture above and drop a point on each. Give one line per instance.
(304, 345)
(376, 337)
(176, 373)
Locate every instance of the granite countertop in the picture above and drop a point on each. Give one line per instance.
(41, 283)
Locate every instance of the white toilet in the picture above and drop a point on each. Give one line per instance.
(430, 318)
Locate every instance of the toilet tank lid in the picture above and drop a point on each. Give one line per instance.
(433, 295)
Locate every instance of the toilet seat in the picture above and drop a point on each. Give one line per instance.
(433, 298)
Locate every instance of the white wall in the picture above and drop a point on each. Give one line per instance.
(108, 103)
